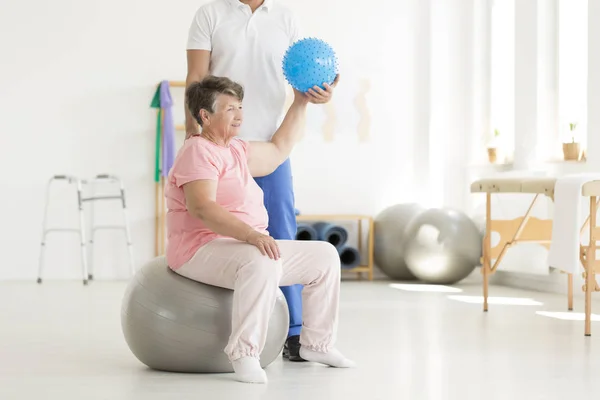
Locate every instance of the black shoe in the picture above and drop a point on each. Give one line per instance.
(291, 349)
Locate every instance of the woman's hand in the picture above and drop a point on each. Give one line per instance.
(300, 98)
(266, 244)
(316, 95)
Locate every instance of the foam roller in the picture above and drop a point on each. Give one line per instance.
(334, 234)
(349, 257)
(306, 232)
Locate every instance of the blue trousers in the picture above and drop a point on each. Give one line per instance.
(279, 202)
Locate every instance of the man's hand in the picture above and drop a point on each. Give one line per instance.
(317, 95)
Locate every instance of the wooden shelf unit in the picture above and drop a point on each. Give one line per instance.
(161, 210)
(178, 84)
(360, 220)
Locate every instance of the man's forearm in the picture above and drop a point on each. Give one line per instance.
(191, 125)
(222, 222)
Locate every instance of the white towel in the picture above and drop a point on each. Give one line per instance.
(567, 222)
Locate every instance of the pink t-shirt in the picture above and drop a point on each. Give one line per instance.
(237, 192)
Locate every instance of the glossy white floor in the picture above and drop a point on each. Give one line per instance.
(63, 341)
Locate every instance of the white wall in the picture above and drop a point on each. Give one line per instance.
(372, 43)
(77, 79)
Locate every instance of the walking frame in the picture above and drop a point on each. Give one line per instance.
(86, 264)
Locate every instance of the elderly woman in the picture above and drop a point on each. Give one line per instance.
(217, 229)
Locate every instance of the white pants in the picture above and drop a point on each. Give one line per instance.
(255, 280)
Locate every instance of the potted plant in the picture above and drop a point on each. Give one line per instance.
(492, 147)
(572, 150)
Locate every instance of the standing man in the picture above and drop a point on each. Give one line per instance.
(245, 40)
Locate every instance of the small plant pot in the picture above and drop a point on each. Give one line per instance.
(571, 151)
(492, 155)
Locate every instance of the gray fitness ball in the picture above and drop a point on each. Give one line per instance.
(390, 235)
(174, 324)
(443, 246)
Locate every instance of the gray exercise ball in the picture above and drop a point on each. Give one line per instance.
(175, 324)
(443, 246)
(390, 226)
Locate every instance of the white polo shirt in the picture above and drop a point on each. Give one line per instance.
(248, 48)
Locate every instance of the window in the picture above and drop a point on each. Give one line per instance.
(503, 77)
(572, 70)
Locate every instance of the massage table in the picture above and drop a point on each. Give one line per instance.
(529, 229)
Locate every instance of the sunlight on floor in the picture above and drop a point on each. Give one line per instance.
(425, 288)
(567, 316)
(513, 301)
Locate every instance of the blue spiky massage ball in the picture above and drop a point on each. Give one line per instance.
(309, 62)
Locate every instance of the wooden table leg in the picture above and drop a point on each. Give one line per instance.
(487, 249)
(590, 278)
(157, 220)
(570, 289)
(371, 246)
(163, 216)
